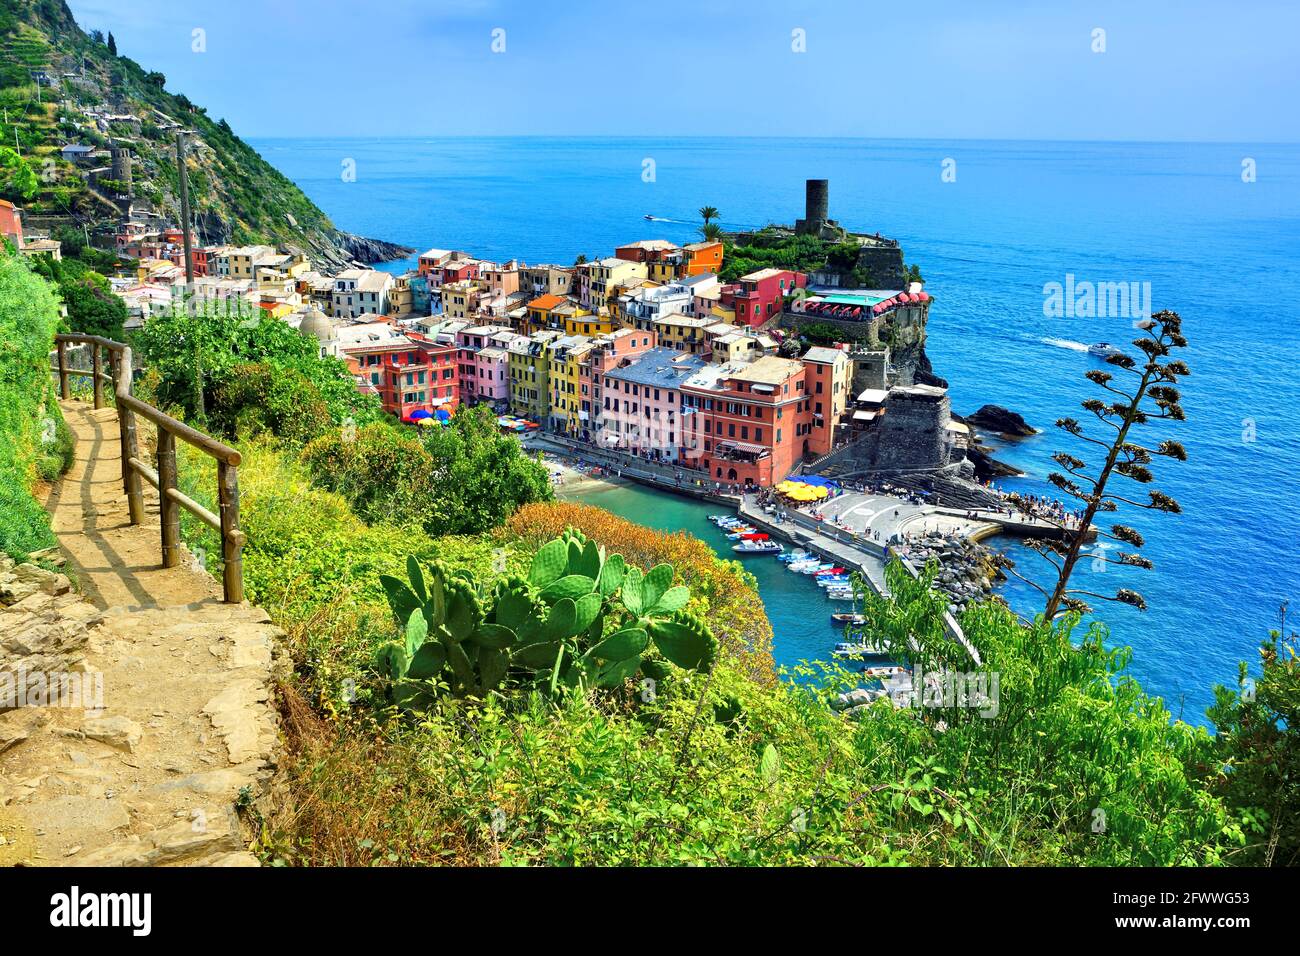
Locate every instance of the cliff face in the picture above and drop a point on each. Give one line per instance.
(91, 97)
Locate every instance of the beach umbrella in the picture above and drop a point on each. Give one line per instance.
(427, 421)
(418, 414)
(443, 415)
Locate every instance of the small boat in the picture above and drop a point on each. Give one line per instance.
(742, 532)
(857, 649)
(757, 547)
(844, 618)
(840, 594)
(836, 582)
(1103, 350)
(833, 572)
(794, 557)
(650, 217)
(814, 568)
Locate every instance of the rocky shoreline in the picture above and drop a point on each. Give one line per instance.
(968, 571)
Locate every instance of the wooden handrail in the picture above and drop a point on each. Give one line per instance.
(164, 476)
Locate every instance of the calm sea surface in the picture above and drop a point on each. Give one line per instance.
(1019, 215)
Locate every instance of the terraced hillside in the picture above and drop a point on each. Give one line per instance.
(60, 86)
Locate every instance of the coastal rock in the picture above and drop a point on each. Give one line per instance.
(987, 467)
(995, 418)
(368, 251)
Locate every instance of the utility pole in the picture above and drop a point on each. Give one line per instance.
(183, 171)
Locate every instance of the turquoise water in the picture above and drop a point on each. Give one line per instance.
(1019, 215)
(798, 609)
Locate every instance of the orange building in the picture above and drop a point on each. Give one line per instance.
(702, 257)
(751, 421)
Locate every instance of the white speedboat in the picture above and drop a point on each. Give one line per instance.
(1103, 350)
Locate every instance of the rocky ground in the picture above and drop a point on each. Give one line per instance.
(162, 742)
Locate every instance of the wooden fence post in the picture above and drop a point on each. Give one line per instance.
(64, 391)
(169, 509)
(232, 546)
(131, 449)
(96, 368)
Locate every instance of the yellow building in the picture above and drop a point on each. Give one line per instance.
(528, 364)
(682, 332)
(570, 385)
(460, 299)
(540, 309)
(578, 321)
(608, 273)
(244, 259)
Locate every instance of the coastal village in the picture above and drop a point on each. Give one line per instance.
(646, 364)
(645, 353)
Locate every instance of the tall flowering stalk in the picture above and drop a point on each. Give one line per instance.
(1155, 397)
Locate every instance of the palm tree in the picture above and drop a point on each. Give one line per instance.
(709, 213)
(711, 231)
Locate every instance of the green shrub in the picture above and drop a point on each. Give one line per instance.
(256, 397)
(34, 441)
(463, 478)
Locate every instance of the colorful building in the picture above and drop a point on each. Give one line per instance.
(683, 332)
(570, 386)
(829, 381)
(406, 374)
(751, 421)
(703, 257)
(528, 363)
(641, 403)
(482, 366)
(606, 274)
(540, 309)
(759, 297)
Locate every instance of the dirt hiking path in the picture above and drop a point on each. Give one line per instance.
(166, 727)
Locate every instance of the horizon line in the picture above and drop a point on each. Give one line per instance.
(693, 136)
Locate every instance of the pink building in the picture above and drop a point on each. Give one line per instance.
(482, 357)
(641, 403)
(758, 297)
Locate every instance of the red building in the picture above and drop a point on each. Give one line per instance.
(752, 421)
(757, 297)
(459, 269)
(646, 250)
(11, 223)
(408, 375)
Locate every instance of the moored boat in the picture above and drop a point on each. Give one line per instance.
(853, 649)
(845, 618)
(757, 547)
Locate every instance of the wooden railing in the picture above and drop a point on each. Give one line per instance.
(163, 476)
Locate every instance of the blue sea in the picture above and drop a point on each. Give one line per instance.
(1016, 216)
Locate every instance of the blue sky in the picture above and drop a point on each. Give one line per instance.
(978, 69)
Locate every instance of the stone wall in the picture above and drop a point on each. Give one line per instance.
(885, 264)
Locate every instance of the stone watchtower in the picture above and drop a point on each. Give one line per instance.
(121, 157)
(816, 219)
